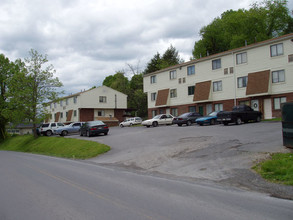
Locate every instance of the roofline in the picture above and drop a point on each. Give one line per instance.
(79, 93)
(258, 44)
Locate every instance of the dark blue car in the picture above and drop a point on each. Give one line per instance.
(210, 119)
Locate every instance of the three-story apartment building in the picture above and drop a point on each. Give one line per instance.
(259, 75)
(101, 103)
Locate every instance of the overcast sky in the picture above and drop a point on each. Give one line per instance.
(87, 40)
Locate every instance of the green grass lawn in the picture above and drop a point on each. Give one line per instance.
(54, 146)
(278, 169)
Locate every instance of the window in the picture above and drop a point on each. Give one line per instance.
(75, 113)
(192, 109)
(61, 115)
(277, 50)
(153, 79)
(101, 113)
(74, 99)
(66, 114)
(174, 111)
(102, 99)
(173, 93)
(244, 103)
(241, 58)
(191, 90)
(226, 71)
(216, 64)
(61, 103)
(278, 102)
(242, 81)
(218, 107)
(50, 105)
(154, 113)
(66, 101)
(173, 74)
(55, 105)
(278, 76)
(183, 80)
(217, 86)
(179, 80)
(190, 70)
(153, 96)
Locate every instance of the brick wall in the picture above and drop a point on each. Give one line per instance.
(86, 114)
(118, 113)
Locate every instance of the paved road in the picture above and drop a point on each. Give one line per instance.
(34, 187)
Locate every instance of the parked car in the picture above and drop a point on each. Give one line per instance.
(239, 114)
(130, 122)
(210, 119)
(49, 129)
(186, 118)
(69, 129)
(92, 128)
(163, 119)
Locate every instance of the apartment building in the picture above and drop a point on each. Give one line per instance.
(259, 75)
(101, 103)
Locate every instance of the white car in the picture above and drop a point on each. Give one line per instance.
(163, 119)
(130, 122)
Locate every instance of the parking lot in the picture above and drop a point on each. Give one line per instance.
(218, 153)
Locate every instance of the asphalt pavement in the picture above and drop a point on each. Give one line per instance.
(222, 154)
(37, 187)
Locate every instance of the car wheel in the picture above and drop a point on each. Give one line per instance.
(64, 133)
(155, 124)
(121, 126)
(49, 133)
(130, 124)
(258, 119)
(212, 122)
(87, 133)
(188, 123)
(179, 125)
(201, 124)
(148, 126)
(225, 123)
(238, 121)
(80, 133)
(106, 133)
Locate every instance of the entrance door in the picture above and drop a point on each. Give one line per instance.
(255, 105)
(200, 110)
(268, 109)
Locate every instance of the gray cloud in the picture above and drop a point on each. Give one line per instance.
(89, 40)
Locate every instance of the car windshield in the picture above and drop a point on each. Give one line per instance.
(93, 123)
(213, 114)
(184, 115)
(157, 116)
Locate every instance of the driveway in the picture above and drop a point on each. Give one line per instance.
(222, 154)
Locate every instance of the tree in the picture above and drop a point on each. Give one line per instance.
(169, 58)
(154, 64)
(235, 28)
(33, 87)
(5, 73)
(118, 82)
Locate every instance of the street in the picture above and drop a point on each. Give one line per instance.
(37, 187)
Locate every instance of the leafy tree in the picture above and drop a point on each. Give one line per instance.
(118, 82)
(5, 73)
(261, 22)
(33, 87)
(137, 99)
